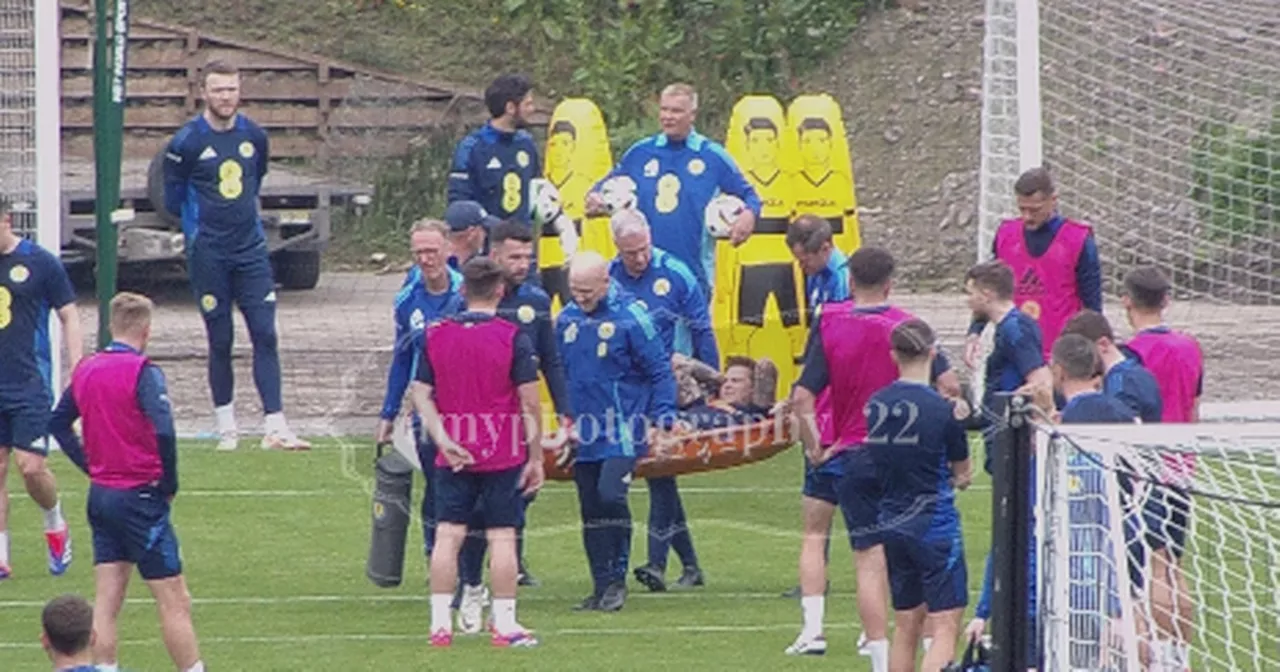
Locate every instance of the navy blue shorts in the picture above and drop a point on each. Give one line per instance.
(218, 279)
(823, 483)
(928, 572)
(1168, 514)
(860, 498)
(24, 425)
(133, 526)
(466, 497)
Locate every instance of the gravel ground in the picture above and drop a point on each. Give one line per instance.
(335, 348)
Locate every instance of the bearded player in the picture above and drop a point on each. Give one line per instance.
(849, 354)
(213, 169)
(1054, 262)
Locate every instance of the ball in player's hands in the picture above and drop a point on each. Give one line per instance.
(618, 193)
(721, 213)
(545, 204)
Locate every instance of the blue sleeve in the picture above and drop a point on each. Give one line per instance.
(1089, 276)
(815, 376)
(732, 181)
(1127, 393)
(697, 317)
(461, 187)
(957, 440)
(58, 291)
(549, 361)
(178, 164)
(941, 365)
(651, 356)
(983, 610)
(620, 168)
(401, 370)
(534, 156)
(524, 360)
(1026, 354)
(62, 430)
(263, 146)
(154, 401)
(426, 374)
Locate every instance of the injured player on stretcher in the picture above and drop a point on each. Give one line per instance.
(708, 399)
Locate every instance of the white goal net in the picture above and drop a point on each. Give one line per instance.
(1160, 120)
(1160, 123)
(18, 107)
(1109, 518)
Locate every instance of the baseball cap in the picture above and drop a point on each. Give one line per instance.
(462, 215)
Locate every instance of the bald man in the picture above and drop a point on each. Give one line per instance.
(620, 386)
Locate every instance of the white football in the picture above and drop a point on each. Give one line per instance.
(619, 193)
(720, 214)
(544, 200)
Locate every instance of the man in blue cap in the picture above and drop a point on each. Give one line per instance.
(469, 224)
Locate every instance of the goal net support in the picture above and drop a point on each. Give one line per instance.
(1160, 122)
(1110, 511)
(30, 126)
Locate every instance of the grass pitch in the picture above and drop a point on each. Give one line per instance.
(274, 547)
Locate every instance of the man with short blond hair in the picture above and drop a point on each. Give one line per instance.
(129, 452)
(677, 173)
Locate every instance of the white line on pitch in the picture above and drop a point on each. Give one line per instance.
(385, 637)
(337, 599)
(694, 490)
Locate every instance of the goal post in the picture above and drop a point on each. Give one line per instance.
(46, 107)
(30, 130)
(1160, 121)
(1105, 518)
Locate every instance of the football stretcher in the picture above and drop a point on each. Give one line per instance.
(707, 450)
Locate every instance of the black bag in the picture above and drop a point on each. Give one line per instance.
(392, 497)
(974, 659)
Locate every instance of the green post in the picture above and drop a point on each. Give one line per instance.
(112, 23)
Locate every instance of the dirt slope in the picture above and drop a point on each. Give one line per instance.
(909, 84)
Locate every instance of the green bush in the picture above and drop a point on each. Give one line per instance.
(406, 188)
(1237, 178)
(620, 53)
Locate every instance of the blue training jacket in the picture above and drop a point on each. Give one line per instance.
(676, 304)
(415, 310)
(675, 180)
(619, 376)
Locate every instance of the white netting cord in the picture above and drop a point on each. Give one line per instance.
(1112, 503)
(1152, 114)
(1000, 160)
(17, 106)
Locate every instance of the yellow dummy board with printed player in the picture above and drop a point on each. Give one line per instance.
(823, 183)
(758, 307)
(576, 157)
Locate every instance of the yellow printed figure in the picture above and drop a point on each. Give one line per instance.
(824, 183)
(577, 156)
(759, 301)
